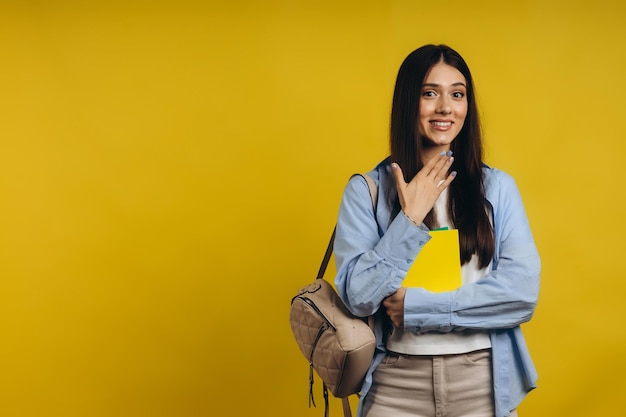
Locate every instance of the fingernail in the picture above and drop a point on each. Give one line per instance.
(453, 173)
(449, 153)
(451, 159)
(442, 153)
(394, 165)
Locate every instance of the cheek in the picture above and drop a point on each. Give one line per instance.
(427, 107)
(423, 123)
(425, 114)
(464, 109)
(462, 113)
(422, 119)
(420, 128)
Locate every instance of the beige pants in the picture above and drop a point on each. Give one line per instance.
(432, 386)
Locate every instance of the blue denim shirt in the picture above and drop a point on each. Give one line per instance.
(374, 252)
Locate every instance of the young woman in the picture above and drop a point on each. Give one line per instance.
(458, 353)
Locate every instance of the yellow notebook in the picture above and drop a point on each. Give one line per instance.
(437, 267)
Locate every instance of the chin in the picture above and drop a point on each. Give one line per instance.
(429, 143)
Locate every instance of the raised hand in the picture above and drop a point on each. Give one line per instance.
(418, 196)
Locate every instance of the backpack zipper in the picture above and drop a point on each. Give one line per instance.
(317, 310)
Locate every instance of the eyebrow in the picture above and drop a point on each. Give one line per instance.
(437, 85)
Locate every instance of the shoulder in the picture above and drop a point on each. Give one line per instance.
(501, 190)
(381, 171)
(496, 180)
(379, 174)
(357, 196)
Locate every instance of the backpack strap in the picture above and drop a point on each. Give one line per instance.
(329, 249)
(347, 411)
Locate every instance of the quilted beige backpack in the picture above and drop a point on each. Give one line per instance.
(338, 345)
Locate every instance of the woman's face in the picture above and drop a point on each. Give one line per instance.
(443, 105)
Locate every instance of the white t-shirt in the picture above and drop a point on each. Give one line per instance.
(456, 342)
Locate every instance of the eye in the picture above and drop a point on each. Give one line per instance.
(458, 94)
(429, 93)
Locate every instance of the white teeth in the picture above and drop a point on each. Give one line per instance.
(442, 124)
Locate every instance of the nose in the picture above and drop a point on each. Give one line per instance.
(443, 105)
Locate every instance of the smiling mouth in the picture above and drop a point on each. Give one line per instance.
(441, 124)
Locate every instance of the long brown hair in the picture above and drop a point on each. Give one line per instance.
(467, 203)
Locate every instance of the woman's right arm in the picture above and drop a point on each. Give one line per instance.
(370, 267)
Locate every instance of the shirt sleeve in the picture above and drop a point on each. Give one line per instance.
(371, 267)
(506, 297)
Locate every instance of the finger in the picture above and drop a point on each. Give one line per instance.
(398, 174)
(435, 164)
(388, 304)
(443, 164)
(433, 161)
(443, 184)
(442, 169)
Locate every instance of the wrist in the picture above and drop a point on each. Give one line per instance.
(414, 220)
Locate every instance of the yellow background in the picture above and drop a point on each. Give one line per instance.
(170, 173)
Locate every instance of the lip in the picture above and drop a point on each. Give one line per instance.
(441, 124)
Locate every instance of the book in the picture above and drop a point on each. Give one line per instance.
(437, 267)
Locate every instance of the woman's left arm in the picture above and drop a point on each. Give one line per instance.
(506, 297)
